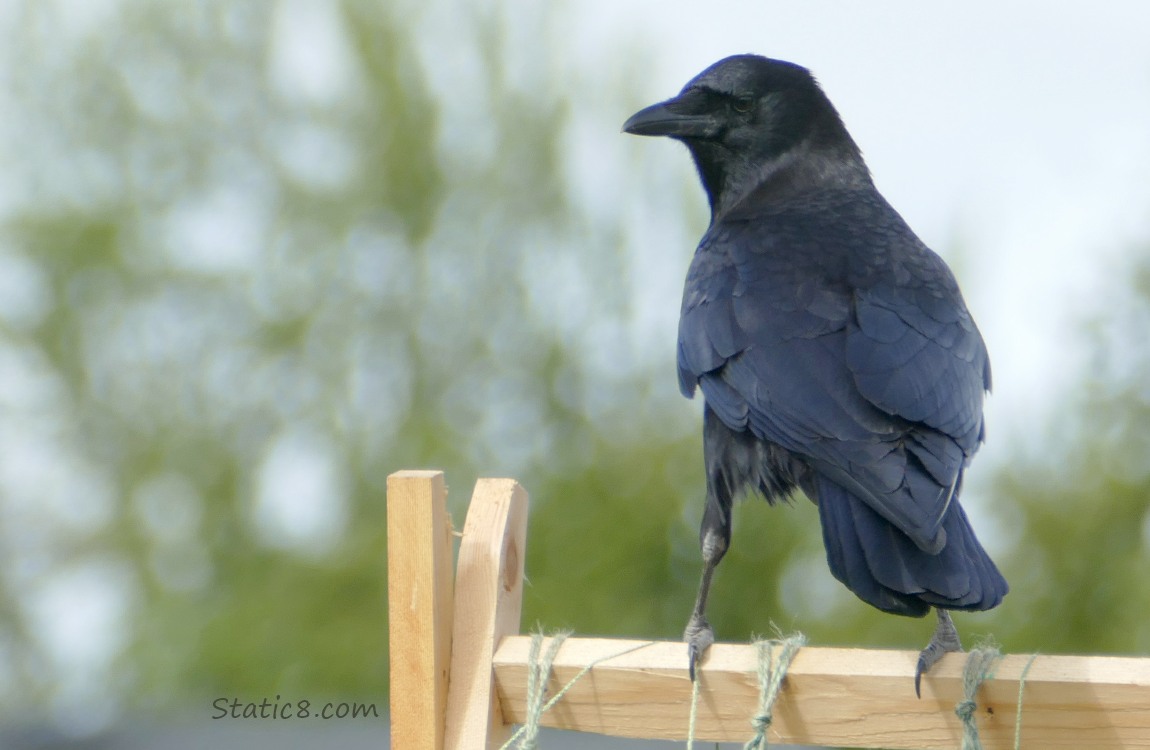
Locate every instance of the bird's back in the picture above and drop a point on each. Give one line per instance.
(818, 322)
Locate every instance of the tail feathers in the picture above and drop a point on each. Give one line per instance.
(884, 568)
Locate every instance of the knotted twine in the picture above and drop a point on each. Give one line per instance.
(979, 667)
(538, 670)
(770, 680)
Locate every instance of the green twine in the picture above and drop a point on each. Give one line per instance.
(1018, 712)
(694, 711)
(770, 680)
(979, 668)
(538, 670)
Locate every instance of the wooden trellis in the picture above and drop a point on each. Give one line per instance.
(459, 665)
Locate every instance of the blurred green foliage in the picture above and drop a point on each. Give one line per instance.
(236, 271)
(1079, 504)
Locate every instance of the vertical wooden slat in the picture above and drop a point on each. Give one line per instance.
(419, 605)
(831, 697)
(488, 603)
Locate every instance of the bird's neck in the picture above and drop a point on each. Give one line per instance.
(809, 165)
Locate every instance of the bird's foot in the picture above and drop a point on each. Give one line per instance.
(944, 640)
(699, 637)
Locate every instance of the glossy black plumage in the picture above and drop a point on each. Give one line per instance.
(833, 349)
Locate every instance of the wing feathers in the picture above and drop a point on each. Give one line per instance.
(870, 369)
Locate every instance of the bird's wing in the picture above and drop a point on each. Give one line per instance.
(915, 352)
(884, 408)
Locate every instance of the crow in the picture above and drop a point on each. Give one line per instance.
(834, 350)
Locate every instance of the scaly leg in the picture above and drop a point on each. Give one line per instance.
(944, 640)
(699, 635)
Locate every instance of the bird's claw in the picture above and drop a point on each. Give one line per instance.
(944, 641)
(699, 637)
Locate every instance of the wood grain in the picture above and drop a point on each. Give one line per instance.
(419, 607)
(836, 697)
(488, 600)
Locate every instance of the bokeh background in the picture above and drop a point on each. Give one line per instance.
(256, 256)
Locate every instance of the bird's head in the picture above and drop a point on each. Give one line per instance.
(748, 119)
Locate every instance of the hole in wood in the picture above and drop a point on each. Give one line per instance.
(510, 565)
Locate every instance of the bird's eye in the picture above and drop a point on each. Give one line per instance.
(742, 104)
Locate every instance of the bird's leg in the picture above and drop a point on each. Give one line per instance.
(699, 635)
(944, 640)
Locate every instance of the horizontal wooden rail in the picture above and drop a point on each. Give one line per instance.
(834, 696)
(459, 669)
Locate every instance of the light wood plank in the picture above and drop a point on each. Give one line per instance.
(488, 602)
(836, 697)
(419, 607)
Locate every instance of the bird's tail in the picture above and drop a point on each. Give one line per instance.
(884, 568)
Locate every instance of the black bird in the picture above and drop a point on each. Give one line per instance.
(833, 349)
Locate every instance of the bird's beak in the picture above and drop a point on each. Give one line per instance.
(677, 118)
